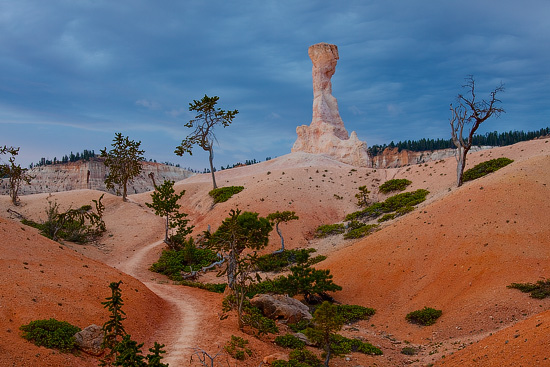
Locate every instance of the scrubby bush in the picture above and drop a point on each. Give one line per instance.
(189, 257)
(289, 341)
(386, 217)
(353, 313)
(360, 230)
(329, 230)
(400, 204)
(211, 287)
(299, 358)
(237, 348)
(538, 290)
(427, 316)
(397, 184)
(279, 261)
(342, 345)
(224, 193)
(409, 351)
(300, 326)
(51, 334)
(485, 168)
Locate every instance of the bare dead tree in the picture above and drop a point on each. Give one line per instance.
(470, 112)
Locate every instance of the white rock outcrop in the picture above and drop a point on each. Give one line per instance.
(326, 134)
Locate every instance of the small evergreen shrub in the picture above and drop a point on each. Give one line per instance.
(237, 348)
(386, 217)
(354, 313)
(329, 230)
(409, 351)
(360, 231)
(299, 358)
(300, 326)
(397, 184)
(289, 341)
(51, 334)
(427, 316)
(211, 287)
(538, 290)
(279, 261)
(224, 193)
(400, 203)
(485, 168)
(189, 257)
(342, 345)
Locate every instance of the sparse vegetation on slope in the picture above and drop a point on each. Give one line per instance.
(51, 334)
(538, 290)
(279, 261)
(399, 204)
(223, 194)
(485, 168)
(426, 316)
(326, 230)
(396, 184)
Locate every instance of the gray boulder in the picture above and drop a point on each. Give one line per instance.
(89, 340)
(281, 307)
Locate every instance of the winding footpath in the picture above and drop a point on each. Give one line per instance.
(181, 329)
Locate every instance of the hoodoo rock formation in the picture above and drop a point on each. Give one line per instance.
(326, 134)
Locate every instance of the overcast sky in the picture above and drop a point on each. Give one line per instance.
(75, 72)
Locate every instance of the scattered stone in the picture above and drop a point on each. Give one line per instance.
(281, 307)
(89, 340)
(275, 357)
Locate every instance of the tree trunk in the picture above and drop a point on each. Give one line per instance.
(282, 239)
(211, 159)
(124, 191)
(327, 359)
(166, 229)
(461, 163)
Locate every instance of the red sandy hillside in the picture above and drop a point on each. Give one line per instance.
(40, 279)
(458, 254)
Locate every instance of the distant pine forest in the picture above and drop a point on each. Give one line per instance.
(494, 139)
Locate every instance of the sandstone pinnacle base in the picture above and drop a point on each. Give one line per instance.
(326, 134)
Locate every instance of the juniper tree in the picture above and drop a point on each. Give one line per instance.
(15, 174)
(239, 232)
(165, 204)
(113, 329)
(208, 116)
(326, 321)
(123, 162)
(278, 218)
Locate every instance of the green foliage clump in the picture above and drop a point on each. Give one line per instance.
(342, 345)
(358, 229)
(409, 351)
(307, 281)
(278, 261)
(485, 168)
(289, 341)
(386, 217)
(80, 225)
(400, 204)
(538, 290)
(51, 334)
(300, 326)
(299, 358)
(188, 258)
(396, 184)
(251, 315)
(211, 287)
(329, 230)
(427, 316)
(237, 348)
(224, 193)
(353, 313)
